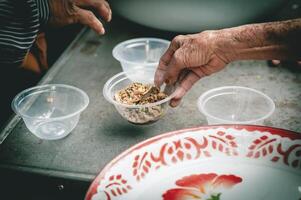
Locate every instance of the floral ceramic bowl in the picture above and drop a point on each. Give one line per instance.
(206, 163)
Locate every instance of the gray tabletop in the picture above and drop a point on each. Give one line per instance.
(102, 134)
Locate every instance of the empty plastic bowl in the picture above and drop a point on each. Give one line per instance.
(140, 57)
(235, 105)
(137, 114)
(50, 111)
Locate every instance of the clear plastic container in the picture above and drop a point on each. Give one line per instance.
(137, 114)
(50, 111)
(235, 105)
(140, 57)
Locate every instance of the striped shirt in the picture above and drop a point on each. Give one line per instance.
(20, 22)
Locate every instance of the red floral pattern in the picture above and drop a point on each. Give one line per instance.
(116, 186)
(201, 186)
(224, 143)
(274, 148)
(141, 166)
(182, 150)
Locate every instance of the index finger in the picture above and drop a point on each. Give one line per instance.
(86, 17)
(186, 84)
(164, 61)
(102, 7)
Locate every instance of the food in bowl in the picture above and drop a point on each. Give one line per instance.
(137, 113)
(141, 94)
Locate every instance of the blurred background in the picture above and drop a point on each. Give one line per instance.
(197, 15)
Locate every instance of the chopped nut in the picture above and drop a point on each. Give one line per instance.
(141, 94)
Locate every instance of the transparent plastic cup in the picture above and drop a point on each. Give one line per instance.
(235, 105)
(136, 114)
(140, 57)
(50, 111)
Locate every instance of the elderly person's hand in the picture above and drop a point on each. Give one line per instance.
(192, 56)
(64, 12)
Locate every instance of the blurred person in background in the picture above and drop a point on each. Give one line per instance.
(192, 57)
(23, 47)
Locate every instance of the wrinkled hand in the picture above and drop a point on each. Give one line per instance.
(65, 12)
(188, 59)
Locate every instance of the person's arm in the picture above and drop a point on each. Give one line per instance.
(20, 22)
(265, 41)
(207, 52)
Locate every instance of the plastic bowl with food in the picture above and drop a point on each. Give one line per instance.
(137, 114)
(235, 105)
(50, 111)
(139, 57)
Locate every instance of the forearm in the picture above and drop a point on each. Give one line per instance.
(20, 22)
(275, 40)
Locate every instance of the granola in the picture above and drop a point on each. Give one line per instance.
(141, 94)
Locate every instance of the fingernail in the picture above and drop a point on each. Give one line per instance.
(110, 16)
(173, 104)
(102, 31)
(276, 62)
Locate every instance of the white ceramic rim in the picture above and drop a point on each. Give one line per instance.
(85, 96)
(149, 141)
(202, 101)
(118, 46)
(109, 99)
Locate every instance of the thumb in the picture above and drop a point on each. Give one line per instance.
(185, 85)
